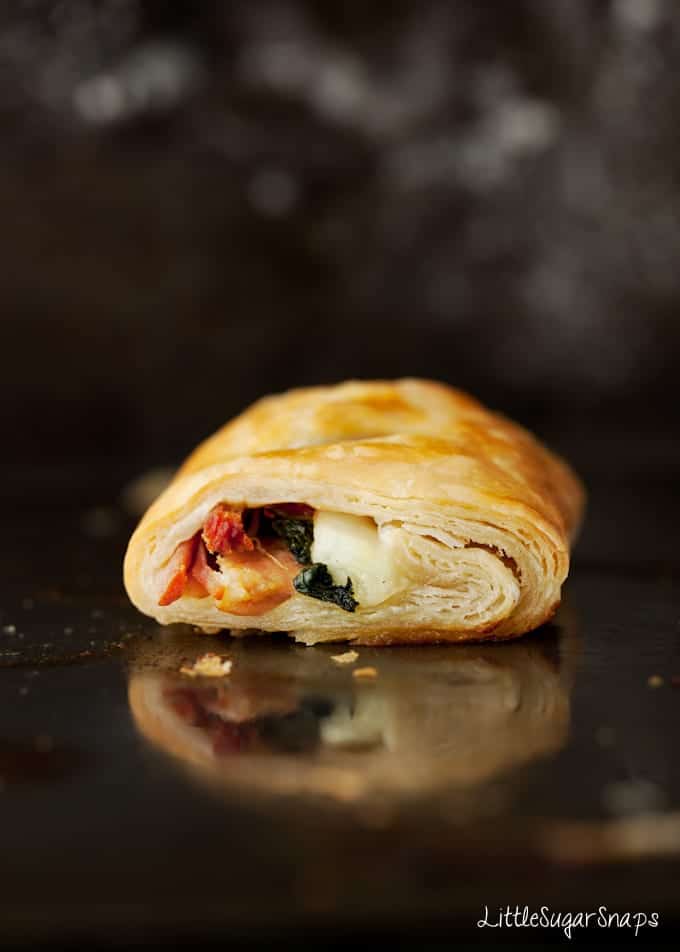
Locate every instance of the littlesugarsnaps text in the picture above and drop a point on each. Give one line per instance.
(523, 917)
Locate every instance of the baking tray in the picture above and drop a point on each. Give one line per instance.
(538, 772)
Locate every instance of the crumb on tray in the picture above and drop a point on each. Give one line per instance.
(209, 665)
(347, 657)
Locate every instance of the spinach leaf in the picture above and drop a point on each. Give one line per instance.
(298, 535)
(317, 582)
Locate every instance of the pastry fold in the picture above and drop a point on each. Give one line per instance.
(438, 520)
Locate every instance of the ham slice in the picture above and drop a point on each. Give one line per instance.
(253, 576)
(179, 566)
(208, 578)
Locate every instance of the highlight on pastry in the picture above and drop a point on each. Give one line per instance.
(291, 722)
(370, 512)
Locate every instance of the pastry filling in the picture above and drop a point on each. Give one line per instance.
(251, 560)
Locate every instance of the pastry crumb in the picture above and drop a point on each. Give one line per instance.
(365, 673)
(209, 665)
(347, 657)
(655, 681)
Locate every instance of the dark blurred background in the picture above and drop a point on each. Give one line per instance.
(205, 201)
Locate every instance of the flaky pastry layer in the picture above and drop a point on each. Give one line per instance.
(479, 515)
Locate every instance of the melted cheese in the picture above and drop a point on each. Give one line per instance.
(354, 547)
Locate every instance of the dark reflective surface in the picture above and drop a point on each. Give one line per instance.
(295, 800)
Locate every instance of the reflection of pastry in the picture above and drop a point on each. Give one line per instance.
(449, 715)
(371, 512)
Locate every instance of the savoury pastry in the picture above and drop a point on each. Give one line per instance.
(373, 512)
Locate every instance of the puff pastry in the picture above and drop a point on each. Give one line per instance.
(372, 512)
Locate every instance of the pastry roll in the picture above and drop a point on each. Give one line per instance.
(371, 512)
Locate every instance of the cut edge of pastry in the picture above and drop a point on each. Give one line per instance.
(433, 520)
(430, 582)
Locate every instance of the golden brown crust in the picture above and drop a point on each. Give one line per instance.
(411, 452)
